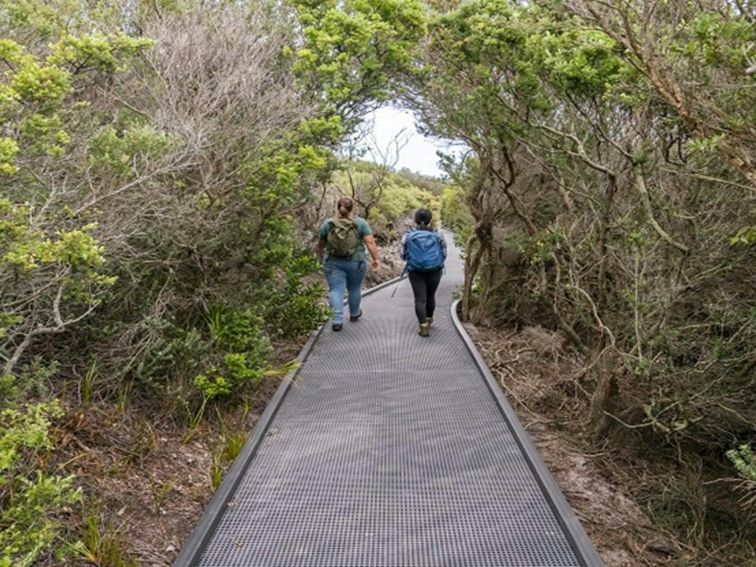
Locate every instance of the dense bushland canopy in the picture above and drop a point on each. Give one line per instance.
(157, 167)
(611, 181)
(163, 164)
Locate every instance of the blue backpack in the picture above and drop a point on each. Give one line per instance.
(424, 252)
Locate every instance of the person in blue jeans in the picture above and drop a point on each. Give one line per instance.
(342, 242)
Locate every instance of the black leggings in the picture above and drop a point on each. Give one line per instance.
(424, 286)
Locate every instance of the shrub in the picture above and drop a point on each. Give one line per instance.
(31, 499)
(456, 213)
(243, 353)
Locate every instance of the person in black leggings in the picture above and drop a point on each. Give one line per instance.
(424, 279)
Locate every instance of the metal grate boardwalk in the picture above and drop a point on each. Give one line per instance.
(389, 449)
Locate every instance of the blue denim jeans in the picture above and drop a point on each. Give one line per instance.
(344, 275)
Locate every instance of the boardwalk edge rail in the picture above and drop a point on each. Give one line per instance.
(582, 546)
(192, 549)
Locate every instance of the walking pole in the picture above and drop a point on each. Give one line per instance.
(404, 271)
(395, 288)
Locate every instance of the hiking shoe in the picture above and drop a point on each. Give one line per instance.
(336, 327)
(429, 320)
(354, 318)
(424, 329)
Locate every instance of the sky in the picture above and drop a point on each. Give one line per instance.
(417, 154)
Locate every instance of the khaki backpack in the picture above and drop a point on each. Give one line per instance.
(343, 238)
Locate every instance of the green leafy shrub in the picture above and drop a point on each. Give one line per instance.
(292, 302)
(246, 353)
(115, 151)
(745, 461)
(402, 198)
(455, 213)
(30, 498)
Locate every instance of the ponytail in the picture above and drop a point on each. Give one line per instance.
(345, 206)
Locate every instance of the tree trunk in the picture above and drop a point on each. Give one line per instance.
(604, 399)
(472, 263)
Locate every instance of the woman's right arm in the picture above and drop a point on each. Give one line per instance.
(373, 249)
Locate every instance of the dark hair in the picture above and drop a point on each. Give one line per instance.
(345, 206)
(423, 217)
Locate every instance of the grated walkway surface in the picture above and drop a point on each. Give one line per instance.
(389, 450)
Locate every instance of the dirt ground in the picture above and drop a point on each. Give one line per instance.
(542, 381)
(146, 482)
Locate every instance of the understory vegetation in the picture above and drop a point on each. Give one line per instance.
(165, 165)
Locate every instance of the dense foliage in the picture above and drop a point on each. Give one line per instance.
(163, 166)
(383, 196)
(156, 162)
(611, 181)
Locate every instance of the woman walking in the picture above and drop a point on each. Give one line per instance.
(343, 240)
(424, 249)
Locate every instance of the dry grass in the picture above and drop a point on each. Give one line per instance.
(144, 483)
